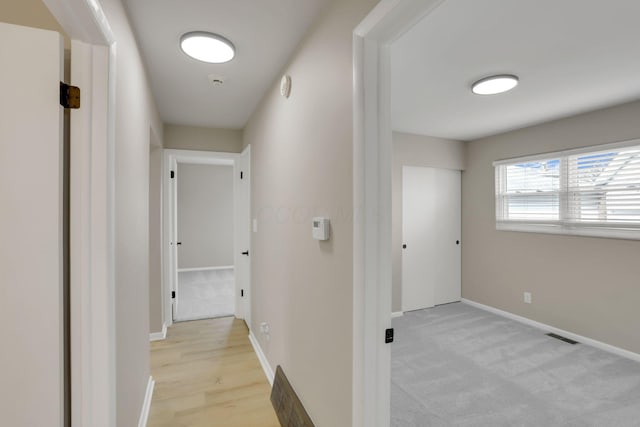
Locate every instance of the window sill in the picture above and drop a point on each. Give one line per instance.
(567, 230)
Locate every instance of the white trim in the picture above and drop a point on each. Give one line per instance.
(171, 159)
(146, 405)
(159, 336)
(572, 229)
(202, 157)
(372, 142)
(396, 314)
(91, 193)
(224, 267)
(82, 20)
(243, 236)
(262, 358)
(581, 339)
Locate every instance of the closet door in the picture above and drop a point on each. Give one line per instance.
(431, 257)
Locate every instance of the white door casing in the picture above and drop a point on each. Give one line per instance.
(243, 235)
(91, 241)
(170, 225)
(92, 212)
(431, 233)
(372, 142)
(31, 253)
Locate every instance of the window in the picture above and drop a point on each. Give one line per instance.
(593, 192)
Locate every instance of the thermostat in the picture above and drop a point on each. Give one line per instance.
(320, 228)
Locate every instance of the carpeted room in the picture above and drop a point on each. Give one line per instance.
(453, 364)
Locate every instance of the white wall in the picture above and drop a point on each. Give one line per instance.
(588, 286)
(423, 151)
(203, 139)
(302, 165)
(136, 117)
(205, 216)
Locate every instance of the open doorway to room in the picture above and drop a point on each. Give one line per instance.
(452, 364)
(205, 218)
(207, 228)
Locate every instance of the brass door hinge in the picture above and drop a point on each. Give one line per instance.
(69, 96)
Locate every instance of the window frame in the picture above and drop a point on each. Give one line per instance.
(564, 225)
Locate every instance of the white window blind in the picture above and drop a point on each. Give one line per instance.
(593, 191)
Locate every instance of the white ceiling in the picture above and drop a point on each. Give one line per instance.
(571, 56)
(264, 32)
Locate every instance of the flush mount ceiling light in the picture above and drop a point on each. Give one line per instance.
(207, 47)
(494, 84)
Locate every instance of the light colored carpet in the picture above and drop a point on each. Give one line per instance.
(205, 294)
(456, 365)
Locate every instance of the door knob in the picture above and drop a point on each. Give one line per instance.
(245, 253)
(404, 246)
(179, 243)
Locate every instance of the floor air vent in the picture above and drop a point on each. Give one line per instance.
(561, 338)
(286, 403)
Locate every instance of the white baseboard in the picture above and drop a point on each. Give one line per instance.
(146, 405)
(159, 336)
(584, 340)
(261, 357)
(397, 314)
(224, 267)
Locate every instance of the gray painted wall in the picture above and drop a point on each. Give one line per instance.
(203, 139)
(205, 216)
(135, 117)
(423, 151)
(302, 165)
(155, 239)
(588, 286)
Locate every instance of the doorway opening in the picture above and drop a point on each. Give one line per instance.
(204, 216)
(206, 224)
(372, 164)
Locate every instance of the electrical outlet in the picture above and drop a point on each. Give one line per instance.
(264, 328)
(527, 297)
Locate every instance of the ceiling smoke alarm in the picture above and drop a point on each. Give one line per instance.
(216, 80)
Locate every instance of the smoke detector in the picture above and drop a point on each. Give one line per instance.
(216, 80)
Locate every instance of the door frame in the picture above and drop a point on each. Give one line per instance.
(91, 233)
(244, 157)
(171, 159)
(372, 165)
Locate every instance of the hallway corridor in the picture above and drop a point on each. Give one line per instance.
(208, 375)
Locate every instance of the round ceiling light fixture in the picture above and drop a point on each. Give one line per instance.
(207, 47)
(495, 84)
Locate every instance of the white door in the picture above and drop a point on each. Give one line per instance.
(431, 213)
(243, 237)
(31, 250)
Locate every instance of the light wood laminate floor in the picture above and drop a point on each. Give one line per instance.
(207, 375)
